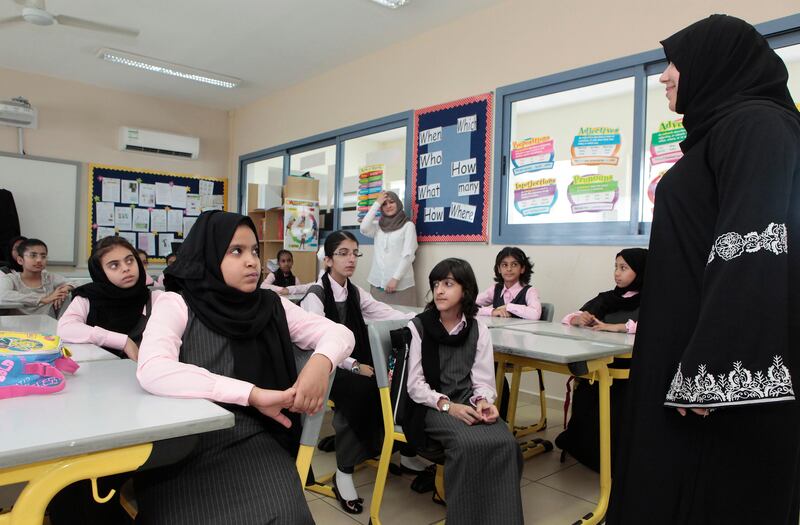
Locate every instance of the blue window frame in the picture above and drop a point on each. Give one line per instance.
(335, 138)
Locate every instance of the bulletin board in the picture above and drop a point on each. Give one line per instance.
(451, 170)
(152, 209)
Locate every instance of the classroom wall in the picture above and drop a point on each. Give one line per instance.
(80, 122)
(513, 41)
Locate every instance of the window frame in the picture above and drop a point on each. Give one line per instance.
(335, 137)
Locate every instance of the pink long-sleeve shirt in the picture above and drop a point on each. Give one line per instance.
(72, 327)
(630, 326)
(371, 309)
(532, 309)
(297, 288)
(159, 371)
(482, 375)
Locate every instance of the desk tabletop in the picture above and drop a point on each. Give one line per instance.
(574, 332)
(102, 407)
(552, 349)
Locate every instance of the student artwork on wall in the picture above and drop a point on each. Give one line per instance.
(301, 224)
(151, 209)
(451, 170)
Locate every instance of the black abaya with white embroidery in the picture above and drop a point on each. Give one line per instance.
(719, 325)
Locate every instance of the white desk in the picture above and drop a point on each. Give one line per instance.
(102, 423)
(573, 332)
(44, 324)
(295, 297)
(10, 305)
(587, 359)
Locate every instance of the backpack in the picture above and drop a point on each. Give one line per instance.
(398, 372)
(32, 364)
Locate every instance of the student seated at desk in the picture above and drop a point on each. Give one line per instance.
(215, 335)
(616, 310)
(451, 391)
(113, 309)
(39, 291)
(10, 264)
(512, 295)
(283, 281)
(357, 418)
(170, 259)
(148, 280)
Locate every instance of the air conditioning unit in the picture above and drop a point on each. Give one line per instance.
(18, 113)
(158, 142)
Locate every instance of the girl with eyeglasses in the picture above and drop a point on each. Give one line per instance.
(357, 416)
(512, 294)
(39, 291)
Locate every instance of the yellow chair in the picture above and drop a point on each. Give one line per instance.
(381, 345)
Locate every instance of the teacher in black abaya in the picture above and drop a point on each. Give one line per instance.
(712, 430)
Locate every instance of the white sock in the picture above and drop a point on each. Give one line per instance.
(413, 462)
(344, 482)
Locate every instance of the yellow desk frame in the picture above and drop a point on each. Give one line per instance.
(46, 478)
(595, 370)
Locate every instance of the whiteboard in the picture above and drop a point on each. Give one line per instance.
(46, 196)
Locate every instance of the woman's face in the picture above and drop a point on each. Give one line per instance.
(345, 257)
(241, 267)
(670, 78)
(120, 267)
(623, 274)
(389, 207)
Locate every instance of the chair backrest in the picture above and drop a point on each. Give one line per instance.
(548, 311)
(381, 345)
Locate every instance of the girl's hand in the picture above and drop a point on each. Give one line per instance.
(465, 413)
(131, 350)
(311, 385)
(487, 411)
(583, 319)
(271, 402)
(501, 311)
(380, 198)
(283, 291)
(391, 286)
(366, 371)
(605, 327)
(699, 411)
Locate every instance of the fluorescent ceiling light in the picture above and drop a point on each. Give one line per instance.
(166, 68)
(392, 4)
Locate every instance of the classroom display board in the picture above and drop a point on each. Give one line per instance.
(46, 197)
(451, 170)
(151, 209)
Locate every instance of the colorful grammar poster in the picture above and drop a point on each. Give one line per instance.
(596, 147)
(451, 171)
(535, 197)
(665, 144)
(301, 223)
(532, 154)
(370, 184)
(592, 193)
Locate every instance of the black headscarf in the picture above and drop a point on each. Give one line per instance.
(12, 259)
(723, 62)
(613, 301)
(111, 307)
(256, 321)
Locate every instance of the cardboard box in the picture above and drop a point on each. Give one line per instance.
(306, 188)
(263, 197)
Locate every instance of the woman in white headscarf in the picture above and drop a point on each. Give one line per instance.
(392, 275)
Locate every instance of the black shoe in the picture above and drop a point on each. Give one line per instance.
(353, 506)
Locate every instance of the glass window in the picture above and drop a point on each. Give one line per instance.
(663, 134)
(570, 156)
(267, 171)
(320, 163)
(372, 163)
(791, 57)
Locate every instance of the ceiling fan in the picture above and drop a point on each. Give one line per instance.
(34, 12)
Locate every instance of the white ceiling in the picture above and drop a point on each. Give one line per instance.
(269, 44)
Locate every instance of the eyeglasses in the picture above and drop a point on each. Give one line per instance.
(345, 253)
(34, 255)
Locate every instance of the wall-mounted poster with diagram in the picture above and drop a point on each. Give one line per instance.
(301, 225)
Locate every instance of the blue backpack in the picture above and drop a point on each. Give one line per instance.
(32, 364)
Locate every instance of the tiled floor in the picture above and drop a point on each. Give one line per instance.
(552, 492)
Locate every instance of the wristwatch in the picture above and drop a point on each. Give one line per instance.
(356, 368)
(446, 407)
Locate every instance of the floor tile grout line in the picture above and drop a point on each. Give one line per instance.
(566, 493)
